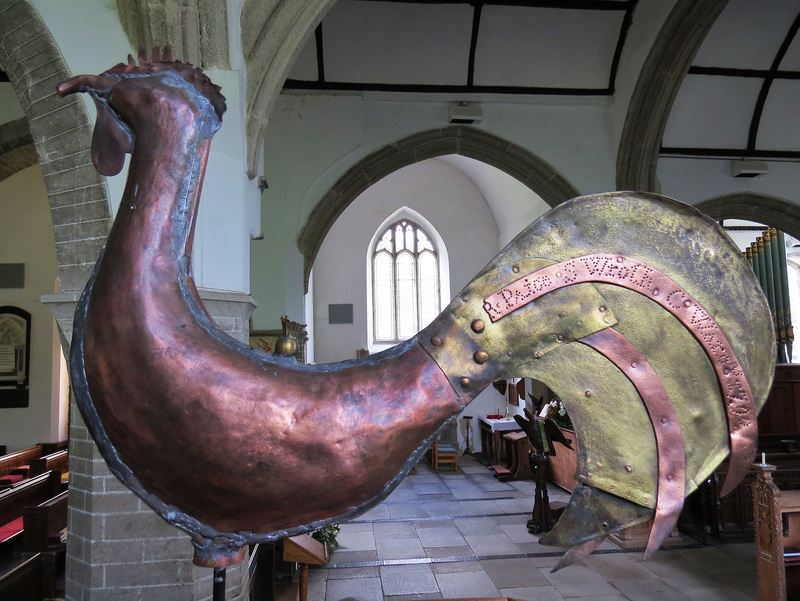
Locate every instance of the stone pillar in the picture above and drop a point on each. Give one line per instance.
(118, 548)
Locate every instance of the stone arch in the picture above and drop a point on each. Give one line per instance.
(516, 161)
(659, 81)
(273, 33)
(762, 208)
(61, 132)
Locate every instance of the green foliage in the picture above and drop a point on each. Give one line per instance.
(327, 536)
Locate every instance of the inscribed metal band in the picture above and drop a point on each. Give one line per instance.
(669, 438)
(644, 279)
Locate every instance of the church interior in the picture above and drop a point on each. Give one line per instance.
(353, 128)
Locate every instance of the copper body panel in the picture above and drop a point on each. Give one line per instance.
(235, 446)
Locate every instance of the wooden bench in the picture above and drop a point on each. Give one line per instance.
(13, 502)
(45, 525)
(48, 448)
(56, 462)
(18, 462)
(33, 579)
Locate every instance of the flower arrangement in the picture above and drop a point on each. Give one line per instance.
(327, 536)
(557, 411)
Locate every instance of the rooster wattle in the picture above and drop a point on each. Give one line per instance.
(635, 309)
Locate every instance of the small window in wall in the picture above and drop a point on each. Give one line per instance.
(405, 285)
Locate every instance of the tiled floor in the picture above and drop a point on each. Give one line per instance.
(464, 535)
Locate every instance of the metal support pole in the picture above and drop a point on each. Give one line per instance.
(219, 584)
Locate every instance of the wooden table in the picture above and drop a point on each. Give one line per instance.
(491, 431)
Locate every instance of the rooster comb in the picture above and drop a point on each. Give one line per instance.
(164, 61)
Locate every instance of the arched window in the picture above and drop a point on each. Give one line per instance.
(405, 282)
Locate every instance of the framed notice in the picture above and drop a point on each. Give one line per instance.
(15, 353)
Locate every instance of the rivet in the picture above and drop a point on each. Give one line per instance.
(664, 420)
(558, 274)
(619, 259)
(600, 464)
(588, 474)
(655, 292)
(509, 353)
(602, 309)
(628, 493)
(436, 341)
(628, 468)
(537, 355)
(480, 357)
(612, 487)
(604, 525)
(499, 305)
(478, 326)
(588, 461)
(588, 393)
(687, 303)
(560, 338)
(515, 269)
(669, 476)
(634, 365)
(465, 382)
(465, 298)
(646, 500)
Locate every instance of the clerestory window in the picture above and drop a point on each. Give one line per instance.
(405, 282)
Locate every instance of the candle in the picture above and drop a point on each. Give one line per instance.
(763, 459)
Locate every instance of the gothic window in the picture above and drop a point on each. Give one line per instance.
(405, 284)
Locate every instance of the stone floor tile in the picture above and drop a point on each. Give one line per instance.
(649, 590)
(317, 573)
(433, 523)
(401, 510)
(356, 541)
(466, 584)
(364, 589)
(514, 573)
(714, 560)
(518, 532)
(438, 552)
(487, 507)
(408, 580)
(538, 593)
(545, 562)
(345, 556)
(579, 581)
(379, 512)
(470, 526)
(404, 496)
(429, 478)
(445, 509)
(361, 572)
(400, 548)
(617, 566)
(437, 488)
(412, 597)
(493, 544)
(522, 505)
(394, 530)
(441, 537)
(317, 590)
(616, 597)
(456, 567)
(719, 594)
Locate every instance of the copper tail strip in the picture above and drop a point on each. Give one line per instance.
(669, 438)
(640, 277)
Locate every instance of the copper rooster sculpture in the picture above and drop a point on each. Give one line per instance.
(635, 309)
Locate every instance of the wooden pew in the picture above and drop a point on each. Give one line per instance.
(45, 525)
(58, 461)
(19, 461)
(14, 500)
(33, 579)
(48, 448)
(3, 449)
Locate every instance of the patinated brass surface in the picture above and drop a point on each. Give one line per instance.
(235, 446)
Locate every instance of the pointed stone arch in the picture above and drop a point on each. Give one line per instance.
(659, 82)
(516, 161)
(61, 133)
(770, 210)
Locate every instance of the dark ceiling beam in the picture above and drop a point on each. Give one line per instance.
(473, 42)
(623, 35)
(729, 153)
(751, 73)
(559, 4)
(765, 87)
(329, 86)
(320, 53)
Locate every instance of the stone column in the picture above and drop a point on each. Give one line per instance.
(118, 548)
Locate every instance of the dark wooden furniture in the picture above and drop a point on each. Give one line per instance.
(517, 448)
(19, 460)
(45, 525)
(781, 414)
(56, 462)
(13, 502)
(304, 550)
(34, 579)
(777, 527)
